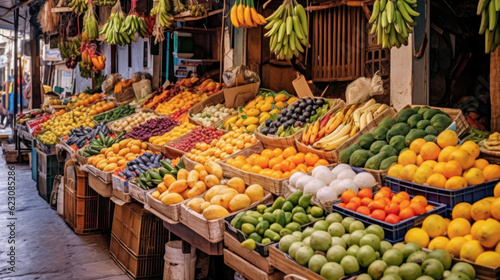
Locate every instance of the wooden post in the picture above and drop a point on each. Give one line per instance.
(495, 89)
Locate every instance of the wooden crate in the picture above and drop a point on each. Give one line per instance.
(101, 187)
(137, 193)
(211, 230)
(48, 164)
(338, 43)
(139, 230)
(122, 197)
(170, 212)
(459, 124)
(106, 177)
(44, 185)
(210, 101)
(247, 269)
(135, 266)
(119, 184)
(171, 152)
(378, 59)
(283, 262)
(254, 258)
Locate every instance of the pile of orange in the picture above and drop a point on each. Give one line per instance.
(472, 234)
(183, 100)
(445, 165)
(277, 163)
(89, 100)
(101, 107)
(385, 205)
(109, 159)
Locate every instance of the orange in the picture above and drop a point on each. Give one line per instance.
(238, 163)
(310, 169)
(321, 162)
(474, 176)
(277, 152)
(274, 161)
(366, 192)
(455, 183)
(458, 227)
(475, 227)
(471, 147)
(430, 163)
(489, 259)
(246, 167)
(417, 208)
(356, 200)
(407, 157)
(311, 159)
(447, 138)
(417, 235)
(455, 245)
(404, 204)
(277, 175)
(407, 172)
(436, 180)
(445, 153)
(495, 209)
(288, 152)
(481, 163)
(286, 165)
(285, 175)
(262, 161)
(302, 168)
(267, 172)
(240, 157)
(366, 201)
(471, 250)
(420, 160)
(463, 157)
(406, 213)
(429, 208)
(298, 158)
(268, 153)
(394, 170)
(378, 214)
(277, 167)
(491, 172)
(404, 194)
(351, 206)
(439, 167)
(255, 169)
(417, 144)
(439, 242)
(422, 174)
(347, 196)
(420, 200)
(363, 210)
(452, 168)
(462, 210)
(496, 191)
(230, 161)
(398, 198)
(430, 151)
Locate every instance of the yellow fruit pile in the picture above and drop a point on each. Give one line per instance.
(258, 111)
(61, 125)
(445, 165)
(222, 199)
(101, 107)
(473, 234)
(118, 155)
(222, 148)
(172, 134)
(183, 100)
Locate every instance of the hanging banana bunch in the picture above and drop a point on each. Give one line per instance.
(90, 25)
(161, 10)
(489, 10)
(243, 14)
(288, 30)
(104, 2)
(197, 10)
(392, 21)
(78, 6)
(113, 28)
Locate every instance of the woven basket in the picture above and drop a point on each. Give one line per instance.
(274, 141)
(172, 152)
(332, 156)
(215, 99)
(492, 157)
(459, 124)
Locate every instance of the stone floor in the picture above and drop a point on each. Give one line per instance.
(45, 246)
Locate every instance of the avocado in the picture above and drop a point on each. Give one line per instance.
(398, 129)
(441, 122)
(398, 142)
(387, 123)
(430, 138)
(359, 158)
(374, 161)
(414, 119)
(404, 114)
(387, 162)
(431, 113)
(423, 124)
(380, 133)
(366, 140)
(389, 150)
(414, 134)
(345, 154)
(431, 130)
(377, 145)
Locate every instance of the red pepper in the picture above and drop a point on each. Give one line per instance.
(325, 121)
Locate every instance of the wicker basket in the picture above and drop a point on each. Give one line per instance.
(492, 157)
(273, 141)
(215, 99)
(332, 156)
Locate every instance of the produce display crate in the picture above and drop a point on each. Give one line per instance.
(81, 159)
(49, 150)
(211, 230)
(137, 267)
(393, 232)
(215, 99)
(333, 156)
(459, 123)
(450, 198)
(275, 186)
(234, 245)
(492, 157)
(137, 193)
(64, 153)
(104, 176)
(482, 272)
(100, 186)
(171, 152)
(116, 132)
(247, 269)
(121, 197)
(120, 184)
(48, 164)
(154, 148)
(139, 230)
(274, 141)
(284, 263)
(170, 212)
(44, 185)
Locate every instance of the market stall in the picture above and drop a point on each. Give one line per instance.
(213, 173)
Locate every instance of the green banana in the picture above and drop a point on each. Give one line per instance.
(376, 6)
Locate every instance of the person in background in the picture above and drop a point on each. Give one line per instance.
(27, 92)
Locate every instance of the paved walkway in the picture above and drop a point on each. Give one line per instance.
(45, 246)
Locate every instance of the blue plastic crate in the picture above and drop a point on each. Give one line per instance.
(393, 232)
(450, 198)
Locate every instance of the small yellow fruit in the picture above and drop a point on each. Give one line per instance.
(434, 225)
(491, 259)
(455, 245)
(462, 210)
(488, 234)
(471, 250)
(458, 227)
(439, 242)
(240, 201)
(417, 235)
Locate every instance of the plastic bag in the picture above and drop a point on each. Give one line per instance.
(239, 75)
(109, 84)
(364, 88)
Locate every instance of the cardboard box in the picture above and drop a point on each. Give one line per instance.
(240, 95)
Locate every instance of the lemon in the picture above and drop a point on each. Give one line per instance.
(439, 242)
(418, 236)
(491, 259)
(434, 225)
(471, 250)
(453, 247)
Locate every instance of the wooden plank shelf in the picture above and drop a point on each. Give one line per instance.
(194, 239)
(62, 10)
(183, 19)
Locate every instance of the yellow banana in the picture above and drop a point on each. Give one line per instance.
(234, 17)
(248, 16)
(241, 14)
(255, 16)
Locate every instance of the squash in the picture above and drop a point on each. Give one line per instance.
(197, 189)
(178, 186)
(199, 167)
(213, 192)
(203, 174)
(255, 192)
(204, 206)
(237, 184)
(168, 179)
(182, 174)
(172, 198)
(110, 167)
(210, 180)
(161, 188)
(123, 151)
(240, 201)
(195, 204)
(184, 193)
(228, 190)
(213, 212)
(213, 168)
(155, 194)
(193, 178)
